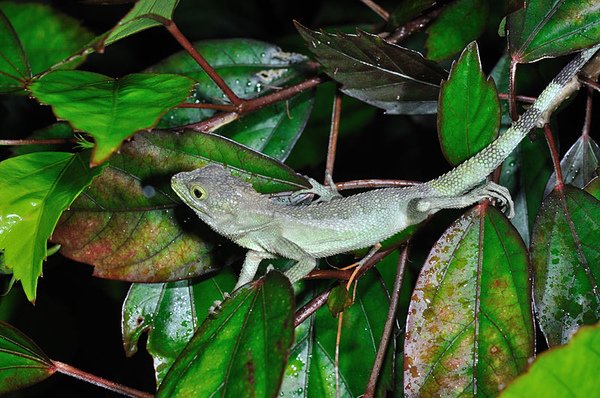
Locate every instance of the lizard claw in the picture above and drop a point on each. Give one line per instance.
(214, 309)
(326, 193)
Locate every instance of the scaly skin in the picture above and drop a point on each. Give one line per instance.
(308, 232)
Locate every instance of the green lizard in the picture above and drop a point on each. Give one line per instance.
(306, 233)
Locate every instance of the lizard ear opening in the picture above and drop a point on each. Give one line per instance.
(197, 192)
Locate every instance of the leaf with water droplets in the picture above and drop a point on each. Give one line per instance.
(566, 262)
(579, 165)
(385, 75)
(470, 321)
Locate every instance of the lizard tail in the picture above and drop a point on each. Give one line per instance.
(474, 170)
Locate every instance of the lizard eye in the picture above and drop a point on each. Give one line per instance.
(198, 192)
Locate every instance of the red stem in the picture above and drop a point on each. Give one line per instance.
(588, 113)
(51, 141)
(555, 156)
(590, 83)
(217, 107)
(373, 183)
(377, 9)
(512, 103)
(333, 135)
(521, 98)
(99, 381)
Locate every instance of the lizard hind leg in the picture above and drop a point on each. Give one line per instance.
(301, 269)
(489, 190)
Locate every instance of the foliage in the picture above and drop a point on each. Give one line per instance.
(94, 125)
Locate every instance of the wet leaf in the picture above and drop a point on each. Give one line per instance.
(273, 130)
(459, 23)
(242, 351)
(311, 372)
(22, 362)
(170, 313)
(249, 67)
(138, 18)
(385, 75)
(552, 28)
(131, 226)
(565, 371)
(109, 109)
(579, 165)
(45, 38)
(36, 189)
(467, 125)
(469, 327)
(566, 262)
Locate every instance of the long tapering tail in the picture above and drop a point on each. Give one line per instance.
(473, 171)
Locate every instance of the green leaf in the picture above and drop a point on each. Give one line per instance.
(110, 109)
(22, 362)
(372, 70)
(59, 130)
(579, 165)
(273, 130)
(566, 260)
(552, 28)
(36, 188)
(459, 23)
(566, 371)
(339, 299)
(170, 313)
(242, 351)
(139, 19)
(48, 36)
(469, 109)
(131, 226)
(470, 327)
(249, 67)
(14, 65)
(311, 369)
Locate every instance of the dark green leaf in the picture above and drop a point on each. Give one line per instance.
(110, 109)
(273, 130)
(339, 299)
(22, 363)
(579, 165)
(138, 18)
(242, 351)
(407, 10)
(14, 65)
(459, 23)
(469, 110)
(131, 226)
(170, 313)
(470, 327)
(566, 260)
(372, 70)
(249, 67)
(311, 369)
(36, 188)
(566, 371)
(552, 28)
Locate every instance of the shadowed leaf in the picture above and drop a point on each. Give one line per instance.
(36, 188)
(242, 351)
(470, 327)
(408, 10)
(566, 371)
(566, 260)
(14, 65)
(460, 22)
(467, 125)
(109, 109)
(170, 313)
(131, 226)
(552, 28)
(385, 75)
(22, 362)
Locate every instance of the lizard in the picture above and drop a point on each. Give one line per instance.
(305, 233)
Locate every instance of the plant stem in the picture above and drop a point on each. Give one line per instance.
(412, 27)
(521, 98)
(512, 104)
(374, 183)
(554, 154)
(333, 135)
(588, 113)
(377, 9)
(99, 381)
(51, 141)
(217, 107)
(389, 326)
(590, 83)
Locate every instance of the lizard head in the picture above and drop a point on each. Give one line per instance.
(213, 193)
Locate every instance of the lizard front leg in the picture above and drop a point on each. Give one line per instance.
(301, 269)
(253, 259)
(489, 190)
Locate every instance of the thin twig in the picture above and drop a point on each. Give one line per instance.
(554, 154)
(333, 135)
(217, 107)
(99, 381)
(587, 124)
(412, 27)
(336, 362)
(374, 183)
(377, 9)
(50, 141)
(520, 98)
(185, 43)
(512, 104)
(389, 326)
(590, 83)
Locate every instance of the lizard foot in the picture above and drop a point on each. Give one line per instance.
(499, 195)
(217, 304)
(326, 193)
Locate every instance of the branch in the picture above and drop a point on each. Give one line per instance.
(377, 9)
(412, 27)
(554, 155)
(333, 135)
(51, 141)
(99, 381)
(374, 183)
